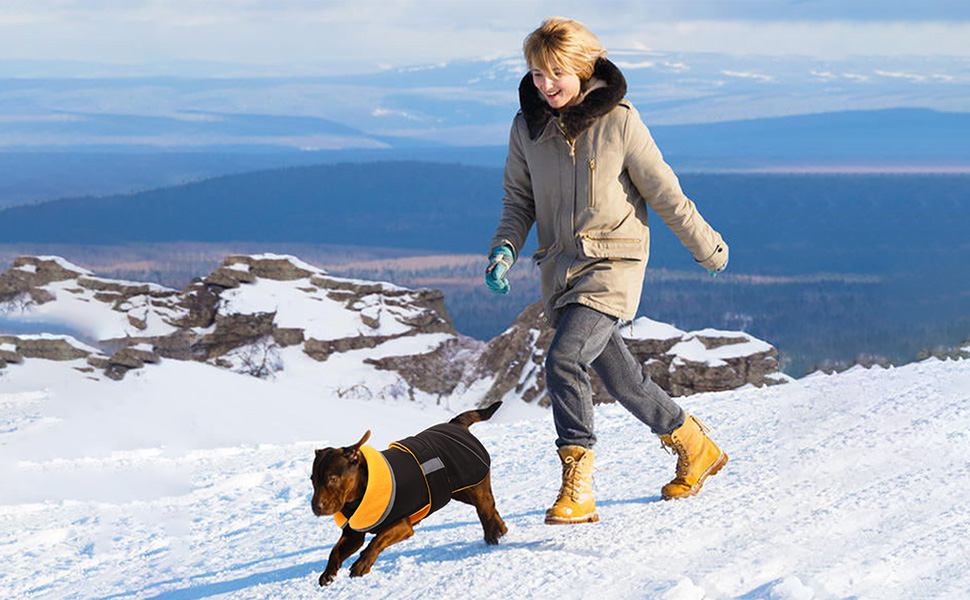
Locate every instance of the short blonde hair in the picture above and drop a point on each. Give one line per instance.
(565, 44)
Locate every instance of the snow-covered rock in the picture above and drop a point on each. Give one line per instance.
(710, 360)
(51, 289)
(48, 346)
(251, 311)
(246, 310)
(680, 362)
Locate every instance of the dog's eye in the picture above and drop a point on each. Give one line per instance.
(332, 479)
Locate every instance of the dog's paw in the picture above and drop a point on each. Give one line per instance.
(327, 577)
(495, 531)
(360, 568)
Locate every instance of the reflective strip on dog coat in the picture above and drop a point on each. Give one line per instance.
(416, 476)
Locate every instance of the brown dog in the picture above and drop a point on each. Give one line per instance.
(386, 493)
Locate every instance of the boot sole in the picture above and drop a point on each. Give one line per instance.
(713, 470)
(593, 518)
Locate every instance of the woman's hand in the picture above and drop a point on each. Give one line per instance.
(499, 263)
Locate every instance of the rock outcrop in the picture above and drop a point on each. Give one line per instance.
(681, 362)
(239, 316)
(257, 314)
(46, 346)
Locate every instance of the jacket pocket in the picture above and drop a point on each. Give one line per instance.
(605, 245)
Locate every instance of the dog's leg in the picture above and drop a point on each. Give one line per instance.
(350, 541)
(396, 532)
(480, 496)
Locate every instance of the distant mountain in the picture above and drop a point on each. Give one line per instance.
(893, 138)
(34, 176)
(856, 224)
(903, 136)
(404, 204)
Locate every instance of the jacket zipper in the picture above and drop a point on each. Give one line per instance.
(574, 209)
(569, 141)
(592, 180)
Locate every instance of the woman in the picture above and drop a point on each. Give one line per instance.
(583, 167)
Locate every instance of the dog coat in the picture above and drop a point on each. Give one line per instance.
(416, 476)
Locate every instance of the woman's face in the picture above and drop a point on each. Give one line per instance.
(558, 88)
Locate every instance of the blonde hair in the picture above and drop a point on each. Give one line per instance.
(564, 44)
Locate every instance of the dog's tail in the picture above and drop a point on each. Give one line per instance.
(474, 416)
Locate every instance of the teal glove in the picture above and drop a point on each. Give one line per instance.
(499, 263)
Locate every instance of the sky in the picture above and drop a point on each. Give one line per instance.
(346, 36)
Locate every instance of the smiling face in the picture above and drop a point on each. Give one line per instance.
(558, 88)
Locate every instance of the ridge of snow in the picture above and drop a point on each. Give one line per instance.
(383, 285)
(692, 349)
(65, 264)
(289, 258)
(65, 338)
(722, 333)
(152, 287)
(645, 328)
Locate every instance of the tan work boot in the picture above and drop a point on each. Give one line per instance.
(697, 458)
(575, 503)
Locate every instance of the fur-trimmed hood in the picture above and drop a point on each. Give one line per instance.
(607, 87)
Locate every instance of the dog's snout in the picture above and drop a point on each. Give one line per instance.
(317, 507)
(321, 505)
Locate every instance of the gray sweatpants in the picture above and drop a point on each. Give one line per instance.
(585, 337)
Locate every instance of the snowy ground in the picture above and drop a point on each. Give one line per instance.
(179, 485)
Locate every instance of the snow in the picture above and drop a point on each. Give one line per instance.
(27, 268)
(152, 287)
(183, 481)
(321, 317)
(64, 338)
(65, 264)
(292, 259)
(383, 285)
(79, 309)
(693, 350)
(644, 328)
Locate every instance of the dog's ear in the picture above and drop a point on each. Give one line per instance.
(353, 452)
(362, 440)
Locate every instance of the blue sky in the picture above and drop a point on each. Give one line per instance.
(341, 36)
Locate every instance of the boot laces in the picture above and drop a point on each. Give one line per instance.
(676, 448)
(571, 472)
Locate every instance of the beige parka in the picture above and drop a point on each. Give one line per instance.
(585, 178)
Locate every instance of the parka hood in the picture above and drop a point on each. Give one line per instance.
(606, 89)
